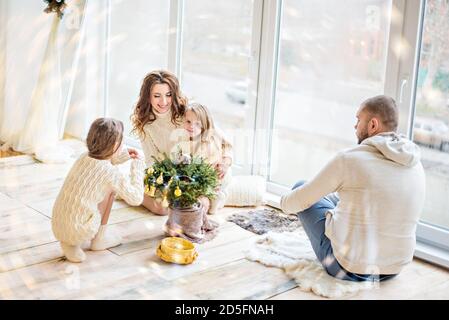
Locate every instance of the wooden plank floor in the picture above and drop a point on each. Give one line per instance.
(31, 264)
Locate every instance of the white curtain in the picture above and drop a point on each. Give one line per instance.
(40, 132)
(46, 72)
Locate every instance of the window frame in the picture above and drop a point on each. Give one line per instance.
(432, 240)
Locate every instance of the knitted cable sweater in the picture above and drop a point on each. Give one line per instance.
(161, 136)
(381, 186)
(75, 213)
(213, 149)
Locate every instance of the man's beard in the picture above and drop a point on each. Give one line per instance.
(362, 136)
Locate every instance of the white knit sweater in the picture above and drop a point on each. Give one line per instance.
(212, 150)
(381, 186)
(161, 136)
(75, 213)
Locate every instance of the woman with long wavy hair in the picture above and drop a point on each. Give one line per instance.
(157, 120)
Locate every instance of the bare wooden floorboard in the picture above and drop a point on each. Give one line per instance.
(23, 227)
(32, 193)
(30, 256)
(228, 232)
(16, 161)
(120, 204)
(27, 238)
(14, 178)
(147, 282)
(296, 294)
(414, 279)
(8, 203)
(127, 213)
(31, 264)
(136, 284)
(54, 279)
(44, 207)
(435, 292)
(241, 279)
(208, 258)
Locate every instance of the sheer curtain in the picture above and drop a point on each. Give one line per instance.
(47, 63)
(40, 132)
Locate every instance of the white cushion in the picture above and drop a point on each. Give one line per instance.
(246, 191)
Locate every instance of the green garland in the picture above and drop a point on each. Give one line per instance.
(179, 183)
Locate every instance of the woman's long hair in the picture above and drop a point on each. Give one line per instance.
(144, 113)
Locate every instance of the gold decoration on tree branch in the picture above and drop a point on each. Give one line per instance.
(180, 182)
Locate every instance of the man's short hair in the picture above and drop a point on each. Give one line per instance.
(383, 107)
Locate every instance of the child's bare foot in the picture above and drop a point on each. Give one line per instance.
(73, 253)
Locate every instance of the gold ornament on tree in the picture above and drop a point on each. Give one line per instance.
(152, 191)
(177, 192)
(160, 179)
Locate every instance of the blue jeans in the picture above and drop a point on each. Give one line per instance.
(313, 221)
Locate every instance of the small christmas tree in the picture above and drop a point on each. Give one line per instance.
(180, 182)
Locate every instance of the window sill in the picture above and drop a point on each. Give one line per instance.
(272, 200)
(432, 254)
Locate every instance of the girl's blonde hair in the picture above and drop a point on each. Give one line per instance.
(208, 128)
(104, 134)
(203, 115)
(144, 113)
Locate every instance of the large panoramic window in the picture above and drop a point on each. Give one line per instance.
(331, 58)
(137, 44)
(215, 60)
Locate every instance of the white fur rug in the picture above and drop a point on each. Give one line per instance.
(293, 252)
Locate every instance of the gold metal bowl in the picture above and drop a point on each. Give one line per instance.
(177, 250)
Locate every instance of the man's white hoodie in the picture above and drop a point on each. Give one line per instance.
(381, 186)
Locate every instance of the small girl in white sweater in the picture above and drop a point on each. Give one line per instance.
(208, 142)
(81, 210)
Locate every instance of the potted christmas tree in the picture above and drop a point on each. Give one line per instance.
(179, 184)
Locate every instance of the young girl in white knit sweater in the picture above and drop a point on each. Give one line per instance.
(81, 210)
(207, 141)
